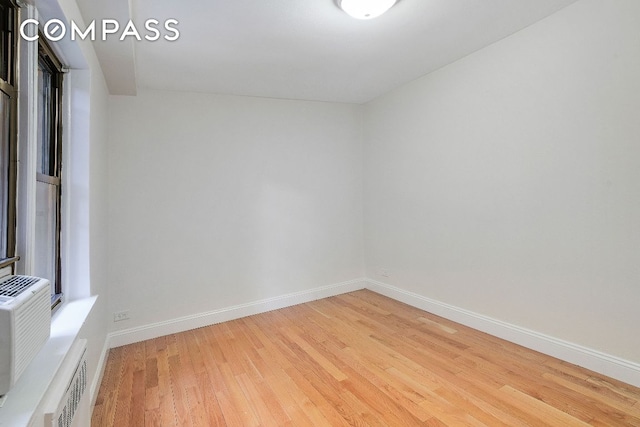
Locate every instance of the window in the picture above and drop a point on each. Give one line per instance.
(45, 246)
(8, 132)
(49, 168)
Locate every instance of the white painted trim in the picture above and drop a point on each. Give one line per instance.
(97, 378)
(141, 333)
(27, 150)
(594, 360)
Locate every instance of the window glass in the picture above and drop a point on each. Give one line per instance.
(5, 137)
(6, 40)
(48, 183)
(7, 131)
(45, 109)
(46, 254)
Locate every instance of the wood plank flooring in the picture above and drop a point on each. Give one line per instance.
(358, 359)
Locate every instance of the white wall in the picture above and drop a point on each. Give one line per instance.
(217, 201)
(508, 183)
(90, 194)
(96, 326)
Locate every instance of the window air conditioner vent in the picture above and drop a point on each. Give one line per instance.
(15, 285)
(25, 325)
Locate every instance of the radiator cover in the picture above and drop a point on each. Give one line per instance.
(65, 395)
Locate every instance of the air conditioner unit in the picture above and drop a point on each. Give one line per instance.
(25, 324)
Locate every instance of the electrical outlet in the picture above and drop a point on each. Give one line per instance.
(120, 316)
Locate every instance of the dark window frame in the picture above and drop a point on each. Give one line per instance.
(48, 60)
(9, 54)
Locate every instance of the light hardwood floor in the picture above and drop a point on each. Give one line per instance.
(356, 359)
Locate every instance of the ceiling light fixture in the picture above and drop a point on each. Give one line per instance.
(366, 9)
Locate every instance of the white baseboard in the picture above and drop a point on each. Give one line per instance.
(611, 366)
(155, 330)
(594, 360)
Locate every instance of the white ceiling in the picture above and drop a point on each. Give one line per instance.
(302, 49)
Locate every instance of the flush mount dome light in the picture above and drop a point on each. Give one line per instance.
(366, 9)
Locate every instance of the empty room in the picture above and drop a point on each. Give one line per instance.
(319, 213)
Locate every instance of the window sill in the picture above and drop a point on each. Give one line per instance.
(21, 403)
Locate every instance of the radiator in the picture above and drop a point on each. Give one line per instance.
(65, 395)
